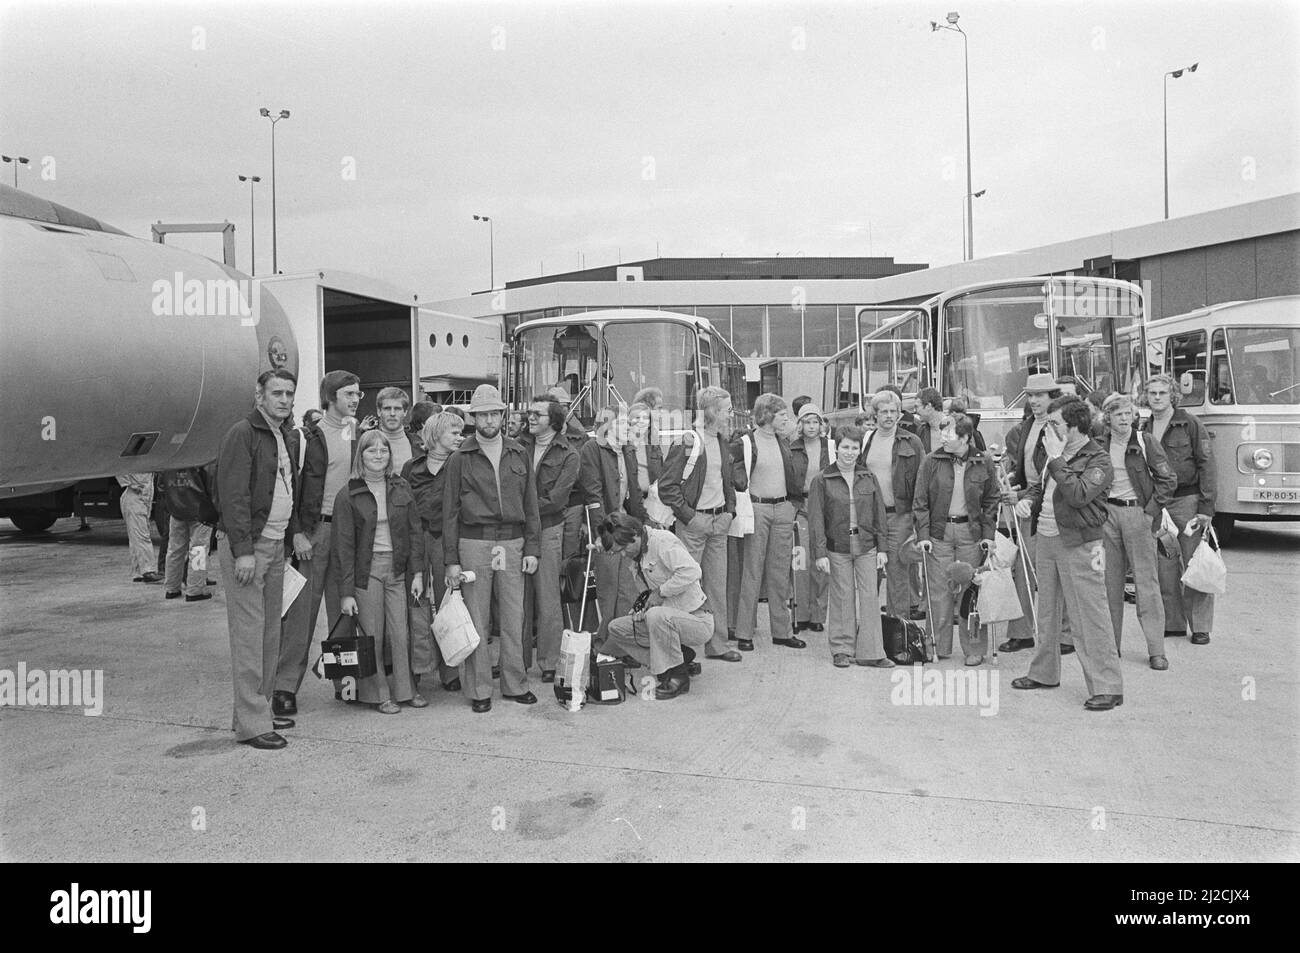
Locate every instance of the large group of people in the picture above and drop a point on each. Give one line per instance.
(688, 532)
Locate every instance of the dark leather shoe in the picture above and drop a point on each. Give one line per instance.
(267, 742)
(149, 577)
(1026, 683)
(815, 627)
(1200, 638)
(279, 724)
(1159, 663)
(453, 685)
(916, 613)
(1067, 649)
(791, 643)
(629, 662)
(1015, 645)
(199, 598)
(672, 686)
(284, 703)
(527, 698)
(172, 595)
(694, 668)
(745, 645)
(481, 704)
(548, 676)
(1174, 633)
(731, 655)
(1103, 702)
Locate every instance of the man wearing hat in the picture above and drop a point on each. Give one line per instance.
(1024, 462)
(491, 527)
(814, 451)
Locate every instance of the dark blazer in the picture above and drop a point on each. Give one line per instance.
(247, 470)
(907, 456)
(794, 465)
(356, 514)
(1152, 477)
(557, 473)
(1187, 446)
(426, 487)
(1079, 495)
(598, 477)
(828, 511)
(682, 495)
(655, 467)
(470, 498)
(1015, 455)
(934, 489)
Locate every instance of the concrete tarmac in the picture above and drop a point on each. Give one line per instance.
(780, 757)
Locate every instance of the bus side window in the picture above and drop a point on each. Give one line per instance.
(1187, 366)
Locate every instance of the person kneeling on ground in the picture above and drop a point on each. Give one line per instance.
(676, 619)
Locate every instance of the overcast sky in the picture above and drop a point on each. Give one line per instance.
(608, 129)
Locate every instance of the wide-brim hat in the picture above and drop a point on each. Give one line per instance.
(809, 409)
(1040, 384)
(560, 395)
(486, 398)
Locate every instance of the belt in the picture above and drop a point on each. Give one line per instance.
(716, 511)
(1114, 502)
(853, 531)
(1188, 490)
(890, 510)
(492, 531)
(769, 500)
(327, 519)
(958, 519)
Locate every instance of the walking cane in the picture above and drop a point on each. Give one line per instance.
(1026, 569)
(792, 603)
(932, 649)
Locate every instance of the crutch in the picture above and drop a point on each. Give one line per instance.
(1027, 570)
(792, 603)
(932, 649)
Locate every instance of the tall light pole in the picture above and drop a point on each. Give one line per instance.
(492, 255)
(1176, 74)
(963, 209)
(252, 220)
(17, 161)
(970, 198)
(283, 114)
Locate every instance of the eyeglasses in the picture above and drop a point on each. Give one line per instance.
(532, 415)
(360, 395)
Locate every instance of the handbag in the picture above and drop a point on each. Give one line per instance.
(743, 524)
(998, 600)
(454, 629)
(349, 656)
(1205, 570)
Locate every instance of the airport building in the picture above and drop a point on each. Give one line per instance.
(804, 307)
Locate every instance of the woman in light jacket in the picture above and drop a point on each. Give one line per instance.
(378, 542)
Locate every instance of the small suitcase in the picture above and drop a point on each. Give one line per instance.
(349, 655)
(905, 642)
(608, 682)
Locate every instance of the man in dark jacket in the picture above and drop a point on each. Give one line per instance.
(1144, 485)
(490, 527)
(955, 506)
(555, 469)
(894, 455)
(1186, 443)
(1067, 511)
(256, 475)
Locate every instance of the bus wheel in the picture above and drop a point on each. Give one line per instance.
(33, 521)
(1223, 527)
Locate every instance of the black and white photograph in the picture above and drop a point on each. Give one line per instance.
(651, 431)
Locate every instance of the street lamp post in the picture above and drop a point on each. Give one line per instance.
(283, 114)
(1176, 74)
(252, 220)
(970, 198)
(963, 210)
(492, 255)
(17, 161)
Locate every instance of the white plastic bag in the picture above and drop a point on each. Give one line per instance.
(1205, 570)
(454, 629)
(998, 601)
(1004, 552)
(743, 524)
(575, 669)
(655, 510)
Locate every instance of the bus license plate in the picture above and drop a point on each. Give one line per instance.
(1256, 494)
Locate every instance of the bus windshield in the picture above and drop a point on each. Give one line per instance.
(650, 354)
(1264, 364)
(993, 345)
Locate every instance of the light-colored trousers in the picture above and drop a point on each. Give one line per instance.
(658, 641)
(543, 618)
(381, 609)
(183, 537)
(898, 585)
(860, 638)
(1072, 579)
(767, 565)
(425, 656)
(1131, 546)
(959, 543)
(253, 618)
(299, 630)
(497, 565)
(1183, 605)
(135, 513)
(705, 538)
(811, 588)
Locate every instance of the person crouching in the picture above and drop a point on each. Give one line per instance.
(847, 521)
(675, 620)
(377, 541)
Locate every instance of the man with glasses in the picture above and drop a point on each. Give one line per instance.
(893, 456)
(1067, 511)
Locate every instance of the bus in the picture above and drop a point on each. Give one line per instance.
(602, 358)
(981, 342)
(1236, 367)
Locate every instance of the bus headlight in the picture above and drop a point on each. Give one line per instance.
(1262, 458)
